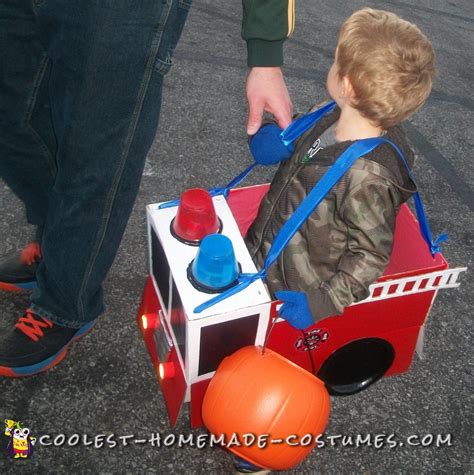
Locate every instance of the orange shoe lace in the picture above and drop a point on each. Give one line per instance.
(31, 325)
(31, 253)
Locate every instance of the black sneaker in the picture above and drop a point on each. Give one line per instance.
(242, 466)
(34, 345)
(18, 268)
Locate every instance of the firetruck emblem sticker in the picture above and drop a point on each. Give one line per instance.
(312, 339)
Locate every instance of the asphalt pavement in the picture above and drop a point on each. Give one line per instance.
(107, 385)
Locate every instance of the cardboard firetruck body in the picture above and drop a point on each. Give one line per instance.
(373, 338)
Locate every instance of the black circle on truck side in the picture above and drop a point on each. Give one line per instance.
(357, 365)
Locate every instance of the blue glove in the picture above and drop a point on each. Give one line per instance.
(267, 147)
(295, 309)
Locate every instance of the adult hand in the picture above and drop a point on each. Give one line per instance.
(266, 91)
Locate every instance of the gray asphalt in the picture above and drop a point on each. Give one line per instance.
(107, 385)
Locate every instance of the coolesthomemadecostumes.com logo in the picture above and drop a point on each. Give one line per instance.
(19, 441)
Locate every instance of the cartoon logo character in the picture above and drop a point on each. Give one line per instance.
(21, 442)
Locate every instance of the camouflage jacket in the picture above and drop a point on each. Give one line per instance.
(346, 243)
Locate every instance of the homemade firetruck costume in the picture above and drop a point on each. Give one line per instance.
(188, 332)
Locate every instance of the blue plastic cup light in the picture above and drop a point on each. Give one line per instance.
(215, 266)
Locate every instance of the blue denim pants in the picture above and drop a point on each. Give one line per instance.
(80, 96)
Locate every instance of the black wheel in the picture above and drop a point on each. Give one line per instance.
(357, 365)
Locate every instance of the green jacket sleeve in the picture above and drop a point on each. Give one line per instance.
(265, 26)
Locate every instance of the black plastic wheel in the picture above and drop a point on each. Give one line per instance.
(357, 365)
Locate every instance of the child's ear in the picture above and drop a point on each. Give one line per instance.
(347, 91)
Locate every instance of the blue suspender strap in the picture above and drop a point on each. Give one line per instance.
(304, 123)
(434, 246)
(304, 210)
(224, 190)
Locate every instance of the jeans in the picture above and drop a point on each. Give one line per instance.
(80, 96)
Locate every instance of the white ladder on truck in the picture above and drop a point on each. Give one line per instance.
(445, 279)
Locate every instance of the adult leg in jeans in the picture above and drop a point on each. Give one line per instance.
(27, 143)
(108, 59)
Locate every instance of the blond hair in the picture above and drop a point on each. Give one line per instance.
(389, 62)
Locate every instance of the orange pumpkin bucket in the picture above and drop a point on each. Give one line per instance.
(266, 394)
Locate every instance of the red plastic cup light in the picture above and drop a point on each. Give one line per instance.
(196, 217)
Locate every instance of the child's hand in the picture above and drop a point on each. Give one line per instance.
(267, 147)
(295, 309)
